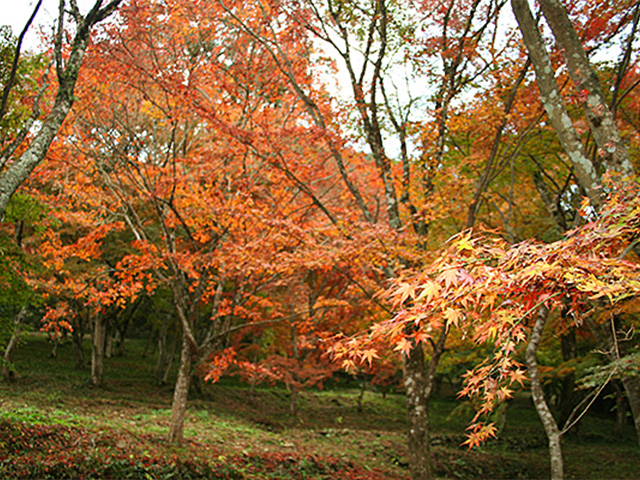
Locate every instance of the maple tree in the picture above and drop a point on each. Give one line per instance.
(372, 42)
(506, 293)
(397, 333)
(212, 197)
(216, 181)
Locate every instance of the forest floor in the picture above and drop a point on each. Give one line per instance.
(54, 424)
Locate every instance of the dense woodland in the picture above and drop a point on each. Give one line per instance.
(410, 194)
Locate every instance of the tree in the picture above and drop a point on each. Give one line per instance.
(373, 41)
(611, 151)
(207, 162)
(67, 65)
(18, 269)
(506, 293)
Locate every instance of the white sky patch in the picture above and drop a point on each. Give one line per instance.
(15, 13)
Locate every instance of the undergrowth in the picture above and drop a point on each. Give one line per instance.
(55, 425)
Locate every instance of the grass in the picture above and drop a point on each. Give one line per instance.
(233, 434)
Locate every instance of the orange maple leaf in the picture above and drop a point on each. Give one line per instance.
(369, 355)
(449, 276)
(517, 376)
(404, 346)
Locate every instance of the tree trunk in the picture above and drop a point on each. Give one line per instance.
(117, 347)
(163, 356)
(632, 389)
(417, 414)
(7, 371)
(621, 409)
(121, 333)
(293, 401)
(97, 352)
(54, 349)
(553, 103)
(108, 339)
(549, 423)
(180, 394)
(20, 169)
(612, 150)
(78, 337)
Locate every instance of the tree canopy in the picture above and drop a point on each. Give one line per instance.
(302, 187)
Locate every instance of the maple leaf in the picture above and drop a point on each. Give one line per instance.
(348, 365)
(369, 355)
(464, 244)
(519, 334)
(404, 346)
(449, 276)
(517, 376)
(465, 278)
(480, 433)
(421, 337)
(403, 292)
(429, 291)
(452, 315)
(505, 394)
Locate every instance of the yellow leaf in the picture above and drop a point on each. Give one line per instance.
(429, 291)
(452, 315)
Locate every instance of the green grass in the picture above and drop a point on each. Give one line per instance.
(229, 428)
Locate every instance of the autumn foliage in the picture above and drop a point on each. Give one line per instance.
(299, 188)
(479, 283)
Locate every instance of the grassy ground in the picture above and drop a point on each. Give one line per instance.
(52, 416)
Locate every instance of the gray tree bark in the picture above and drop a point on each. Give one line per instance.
(181, 393)
(98, 350)
(550, 426)
(611, 149)
(18, 171)
(553, 103)
(417, 414)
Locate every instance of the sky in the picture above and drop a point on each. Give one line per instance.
(16, 13)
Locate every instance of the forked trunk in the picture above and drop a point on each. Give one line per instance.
(550, 426)
(553, 104)
(180, 394)
(417, 414)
